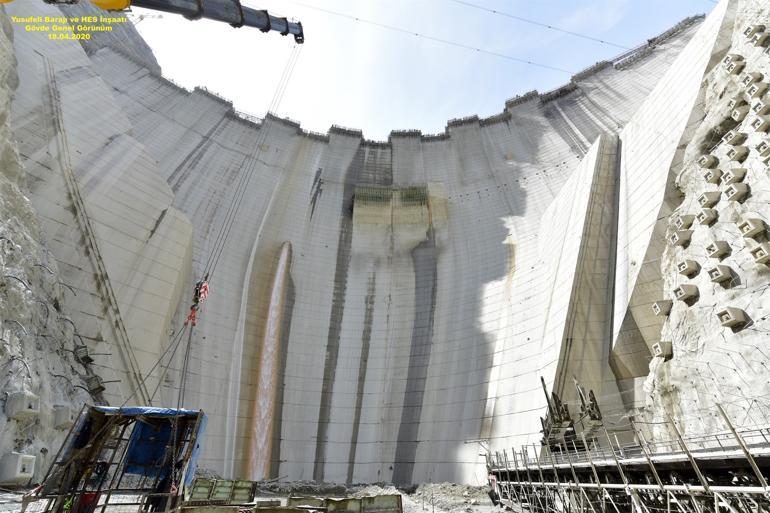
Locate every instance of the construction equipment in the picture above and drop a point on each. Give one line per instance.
(228, 11)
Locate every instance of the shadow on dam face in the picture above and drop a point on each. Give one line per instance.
(449, 358)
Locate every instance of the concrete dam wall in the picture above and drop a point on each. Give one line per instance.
(384, 311)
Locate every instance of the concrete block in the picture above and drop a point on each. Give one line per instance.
(733, 175)
(737, 192)
(749, 78)
(684, 221)
(738, 153)
(22, 406)
(16, 468)
(760, 107)
(734, 137)
(761, 39)
(751, 227)
(707, 216)
(763, 148)
(687, 267)
(761, 123)
(735, 102)
(708, 161)
(720, 274)
(662, 307)
(685, 292)
(731, 316)
(680, 237)
(756, 90)
(739, 113)
(709, 199)
(750, 32)
(735, 67)
(712, 175)
(63, 416)
(761, 253)
(663, 349)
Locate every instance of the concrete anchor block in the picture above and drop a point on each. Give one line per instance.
(761, 253)
(730, 317)
(761, 123)
(720, 274)
(734, 175)
(751, 227)
(738, 153)
(756, 90)
(16, 468)
(707, 216)
(684, 221)
(686, 292)
(663, 349)
(687, 267)
(680, 237)
(761, 39)
(739, 113)
(712, 175)
(708, 161)
(735, 102)
(735, 67)
(63, 416)
(734, 137)
(709, 199)
(662, 307)
(760, 107)
(737, 192)
(749, 78)
(717, 249)
(751, 31)
(763, 148)
(733, 57)
(22, 406)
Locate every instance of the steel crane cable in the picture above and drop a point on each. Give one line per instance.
(433, 38)
(245, 177)
(174, 343)
(538, 23)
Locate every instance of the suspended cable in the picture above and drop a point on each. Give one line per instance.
(245, 178)
(539, 24)
(433, 38)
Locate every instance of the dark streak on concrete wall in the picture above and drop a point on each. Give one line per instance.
(424, 259)
(366, 337)
(338, 306)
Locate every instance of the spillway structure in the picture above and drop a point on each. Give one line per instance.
(384, 311)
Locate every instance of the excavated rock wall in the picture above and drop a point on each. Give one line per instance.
(37, 340)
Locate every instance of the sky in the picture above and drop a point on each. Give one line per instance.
(357, 75)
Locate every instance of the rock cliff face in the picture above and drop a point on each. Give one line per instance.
(717, 338)
(378, 305)
(42, 382)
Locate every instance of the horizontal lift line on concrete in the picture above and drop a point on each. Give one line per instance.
(723, 471)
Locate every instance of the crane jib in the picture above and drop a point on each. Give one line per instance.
(228, 11)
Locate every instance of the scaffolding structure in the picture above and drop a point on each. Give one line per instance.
(719, 472)
(120, 460)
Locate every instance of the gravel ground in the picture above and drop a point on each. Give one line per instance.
(425, 498)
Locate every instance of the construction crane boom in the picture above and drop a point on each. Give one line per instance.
(228, 11)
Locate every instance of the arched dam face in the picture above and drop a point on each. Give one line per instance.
(384, 310)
